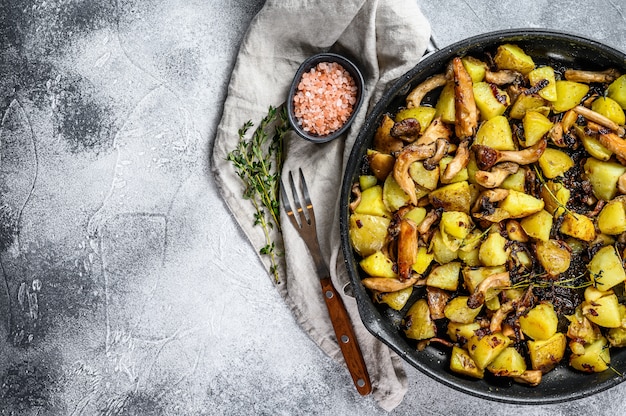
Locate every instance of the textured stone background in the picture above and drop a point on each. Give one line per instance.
(126, 288)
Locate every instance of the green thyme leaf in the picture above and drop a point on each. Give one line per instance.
(258, 161)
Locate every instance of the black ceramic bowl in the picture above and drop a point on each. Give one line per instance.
(306, 66)
(562, 383)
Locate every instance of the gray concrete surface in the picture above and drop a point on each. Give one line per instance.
(125, 296)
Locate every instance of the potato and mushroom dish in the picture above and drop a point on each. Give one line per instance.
(491, 213)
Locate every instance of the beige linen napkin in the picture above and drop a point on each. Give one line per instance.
(386, 38)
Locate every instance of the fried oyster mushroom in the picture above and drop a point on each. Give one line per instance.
(464, 104)
(415, 97)
(487, 157)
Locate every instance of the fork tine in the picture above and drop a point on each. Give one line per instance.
(307, 198)
(287, 206)
(297, 202)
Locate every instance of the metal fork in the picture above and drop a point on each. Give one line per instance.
(305, 225)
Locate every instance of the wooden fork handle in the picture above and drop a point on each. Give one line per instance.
(345, 337)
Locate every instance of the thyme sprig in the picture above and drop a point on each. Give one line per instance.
(613, 369)
(258, 162)
(470, 242)
(547, 188)
(537, 280)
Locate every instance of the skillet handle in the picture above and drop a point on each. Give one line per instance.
(345, 337)
(432, 47)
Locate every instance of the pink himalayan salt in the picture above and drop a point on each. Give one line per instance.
(324, 99)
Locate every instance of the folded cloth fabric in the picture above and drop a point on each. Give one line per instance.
(385, 38)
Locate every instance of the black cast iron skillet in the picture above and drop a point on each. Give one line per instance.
(562, 383)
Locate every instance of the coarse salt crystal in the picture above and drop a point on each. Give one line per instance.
(326, 83)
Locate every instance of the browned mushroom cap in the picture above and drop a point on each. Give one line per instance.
(484, 208)
(503, 77)
(407, 130)
(441, 149)
(437, 301)
(600, 203)
(437, 129)
(515, 231)
(556, 134)
(514, 91)
(582, 328)
(460, 161)
(487, 156)
(407, 248)
(431, 218)
(568, 120)
(487, 198)
(530, 377)
(497, 174)
(466, 112)
(493, 195)
(415, 97)
(496, 280)
(602, 77)
(388, 284)
(411, 153)
(495, 325)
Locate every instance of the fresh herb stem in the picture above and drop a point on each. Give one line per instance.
(537, 280)
(258, 162)
(547, 188)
